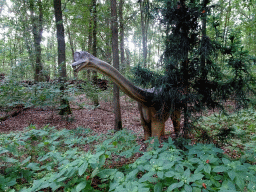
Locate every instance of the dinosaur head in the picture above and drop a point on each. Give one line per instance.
(81, 60)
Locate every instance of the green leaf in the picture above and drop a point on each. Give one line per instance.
(188, 188)
(232, 174)
(225, 161)
(3, 150)
(227, 184)
(252, 186)
(10, 160)
(179, 168)
(195, 189)
(82, 168)
(62, 172)
(187, 173)
(160, 174)
(194, 160)
(61, 179)
(80, 186)
(37, 184)
(102, 160)
(147, 176)
(175, 185)
(106, 173)
(169, 174)
(75, 163)
(44, 157)
(10, 181)
(220, 168)
(33, 166)
(26, 160)
(196, 177)
(132, 174)
(158, 187)
(55, 186)
(95, 172)
(114, 143)
(207, 168)
(240, 183)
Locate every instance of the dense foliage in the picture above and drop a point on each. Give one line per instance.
(235, 132)
(77, 160)
(199, 71)
(44, 94)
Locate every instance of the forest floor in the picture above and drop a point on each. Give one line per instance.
(100, 119)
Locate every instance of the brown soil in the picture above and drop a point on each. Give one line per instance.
(99, 120)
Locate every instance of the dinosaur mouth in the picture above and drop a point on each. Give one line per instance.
(78, 65)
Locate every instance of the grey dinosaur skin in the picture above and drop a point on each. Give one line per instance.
(153, 124)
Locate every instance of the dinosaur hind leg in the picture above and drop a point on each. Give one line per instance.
(175, 116)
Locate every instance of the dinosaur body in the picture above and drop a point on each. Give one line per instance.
(152, 120)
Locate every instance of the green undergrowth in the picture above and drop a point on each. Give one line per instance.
(48, 95)
(77, 160)
(235, 132)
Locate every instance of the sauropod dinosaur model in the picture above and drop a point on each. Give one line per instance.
(153, 113)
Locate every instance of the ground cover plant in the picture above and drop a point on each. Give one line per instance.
(78, 160)
(235, 132)
(44, 95)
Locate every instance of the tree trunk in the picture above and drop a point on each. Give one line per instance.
(65, 108)
(94, 48)
(144, 9)
(185, 66)
(90, 40)
(37, 23)
(114, 29)
(203, 43)
(121, 27)
(71, 43)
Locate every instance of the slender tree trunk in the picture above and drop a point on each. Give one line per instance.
(185, 67)
(37, 23)
(121, 27)
(108, 39)
(61, 56)
(203, 48)
(90, 40)
(94, 48)
(144, 8)
(127, 57)
(114, 29)
(71, 43)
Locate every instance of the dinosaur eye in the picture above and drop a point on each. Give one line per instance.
(76, 56)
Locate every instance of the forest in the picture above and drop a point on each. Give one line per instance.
(128, 96)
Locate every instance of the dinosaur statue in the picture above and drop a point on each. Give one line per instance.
(153, 114)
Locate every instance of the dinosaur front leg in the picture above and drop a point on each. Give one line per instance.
(145, 120)
(147, 129)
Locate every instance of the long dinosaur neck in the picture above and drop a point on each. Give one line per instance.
(126, 86)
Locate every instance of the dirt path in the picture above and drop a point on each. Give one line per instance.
(99, 120)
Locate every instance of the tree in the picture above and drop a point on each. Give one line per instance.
(144, 14)
(115, 52)
(193, 78)
(65, 108)
(37, 23)
(121, 27)
(94, 48)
